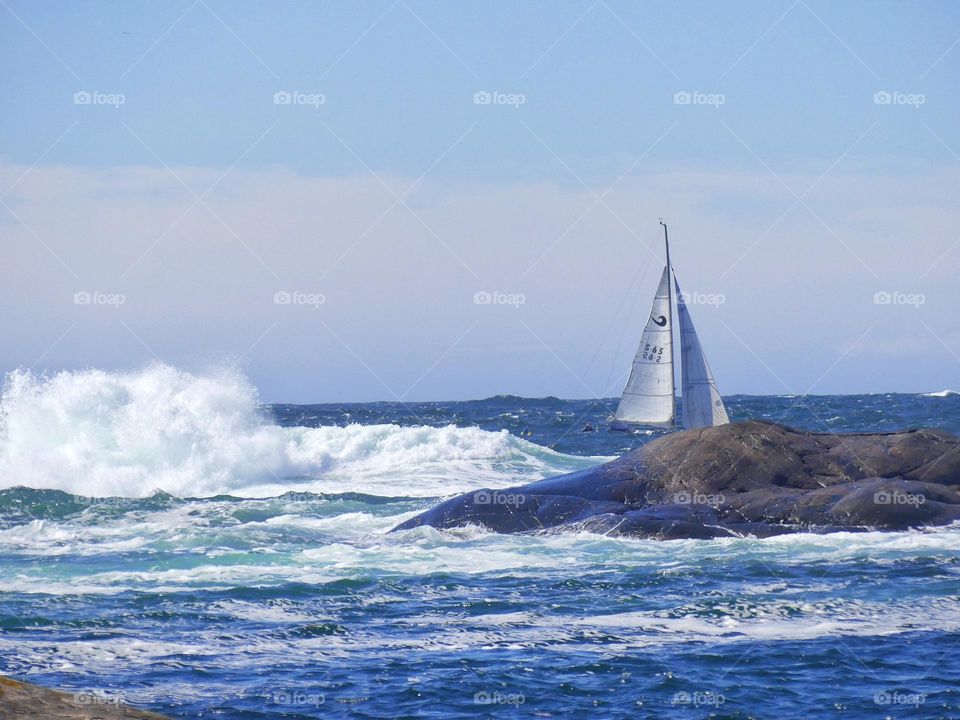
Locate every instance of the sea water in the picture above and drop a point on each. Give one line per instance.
(168, 541)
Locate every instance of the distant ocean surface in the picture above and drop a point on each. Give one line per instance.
(167, 541)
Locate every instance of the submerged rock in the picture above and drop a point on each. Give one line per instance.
(23, 700)
(747, 478)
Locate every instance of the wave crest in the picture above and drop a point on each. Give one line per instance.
(97, 433)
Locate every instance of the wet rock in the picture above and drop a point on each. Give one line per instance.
(748, 478)
(20, 700)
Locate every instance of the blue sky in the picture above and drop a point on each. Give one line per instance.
(794, 190)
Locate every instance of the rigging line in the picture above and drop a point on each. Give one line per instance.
(623, 333)
(633, 307)
(616, 354)
(615, 315)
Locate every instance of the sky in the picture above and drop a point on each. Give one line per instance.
(412, 200)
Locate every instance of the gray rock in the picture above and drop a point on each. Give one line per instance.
(22, 700)
(748, 478)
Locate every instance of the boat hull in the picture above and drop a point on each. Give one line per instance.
(615, 425)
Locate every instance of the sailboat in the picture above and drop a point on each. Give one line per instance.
(649, 397)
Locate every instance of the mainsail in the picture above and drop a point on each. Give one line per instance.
(702, 404)
(648, 397)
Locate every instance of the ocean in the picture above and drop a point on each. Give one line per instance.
(168, 541)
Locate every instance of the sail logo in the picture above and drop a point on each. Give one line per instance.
(295, 97)
(95, 297)
(295, 297)
(84, 97)
(686, 97)
(482, 297)
(895, 297)
(495, 97)
(701, 298)
(887, 97)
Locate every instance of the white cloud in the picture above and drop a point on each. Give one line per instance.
(400, 292)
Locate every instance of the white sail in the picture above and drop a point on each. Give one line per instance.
(648, 397)
(702, 404)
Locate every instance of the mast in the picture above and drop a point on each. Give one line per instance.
(650, 395)
(673, 381)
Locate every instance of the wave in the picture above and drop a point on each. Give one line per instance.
(942, 393)
(225, 544)
(98, 434)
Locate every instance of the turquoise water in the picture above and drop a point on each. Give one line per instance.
(167, 542)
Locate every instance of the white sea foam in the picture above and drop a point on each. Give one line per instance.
(96, 433)
(942, 393)
(267, 542)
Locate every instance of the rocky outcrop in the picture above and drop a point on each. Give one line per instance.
(20, 700)
(747, 478)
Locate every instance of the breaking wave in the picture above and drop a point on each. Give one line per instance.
(98, 433)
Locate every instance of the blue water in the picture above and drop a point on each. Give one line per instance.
(203, 556)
